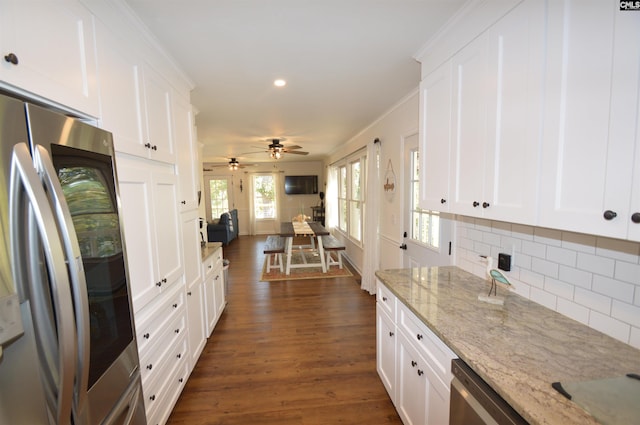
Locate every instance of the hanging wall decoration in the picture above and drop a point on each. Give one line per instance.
(389, 182)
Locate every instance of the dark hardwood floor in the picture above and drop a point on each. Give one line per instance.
(291, 352)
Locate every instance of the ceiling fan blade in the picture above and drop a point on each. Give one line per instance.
(296, 152)
(293, 147)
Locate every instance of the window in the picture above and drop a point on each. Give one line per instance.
(425, 224)
(264, 197)
(219, 197)
(351, 189)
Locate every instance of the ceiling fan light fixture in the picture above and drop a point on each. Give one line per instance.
(233, 164)
(279, 82)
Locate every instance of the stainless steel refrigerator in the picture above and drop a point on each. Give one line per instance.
(69, 352)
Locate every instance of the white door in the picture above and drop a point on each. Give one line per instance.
(427, 234)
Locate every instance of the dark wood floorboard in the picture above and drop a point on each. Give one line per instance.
(291, 352)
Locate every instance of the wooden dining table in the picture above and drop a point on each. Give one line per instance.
(314, 230)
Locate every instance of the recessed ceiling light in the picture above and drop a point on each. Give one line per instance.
(279, 83)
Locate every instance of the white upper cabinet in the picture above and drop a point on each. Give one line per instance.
(158, 136)
(590, 146)
(496, 125)
(435, 139)
(48, 49)
(187, 153)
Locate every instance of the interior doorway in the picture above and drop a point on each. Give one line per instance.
(427, 236)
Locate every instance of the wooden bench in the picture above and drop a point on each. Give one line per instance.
(331, 244)
(273, 249)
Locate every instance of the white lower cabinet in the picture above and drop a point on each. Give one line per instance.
(214, 297)
(413, 363)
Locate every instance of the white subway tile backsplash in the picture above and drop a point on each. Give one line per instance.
(562, 256)
(591, 279)
(593, 301)
(573, 310)
(545, 267)
(574, 276)
(627, 272)
(610, 326)
(614, 289)
(535, 249)
(561, 289)
(626, 312)
(595, 264)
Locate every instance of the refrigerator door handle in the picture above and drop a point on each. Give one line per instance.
(49, 176)
(56, 346)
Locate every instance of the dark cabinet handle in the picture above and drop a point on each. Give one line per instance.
(150, 366)
(179, 355)
(413, 363)
(177, 331)
(164, 280)
(384, 299)
(146, 336)
(159, 284)
(485, 205)
(403, 246)
(419, 337)
(635, 217)
(175, 305)
(189, 293)
(11, 58)
(183, 202)
(154, 148)
(153, 397)
(391, 333)
(475, 204)
(609, 215)
(147, 145)
(180, 380)
(420, 373)
(443, 201)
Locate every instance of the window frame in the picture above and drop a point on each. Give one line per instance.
(351, 206)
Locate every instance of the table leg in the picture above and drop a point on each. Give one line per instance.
(321, 252)
(287, 245)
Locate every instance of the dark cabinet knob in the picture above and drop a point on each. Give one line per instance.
(175, 305)
(177, 331)
(413, 363)
(159, 284)
(179, 355)
(183, 202)
(443, 201)
(153, 397)
(485, 205)
(189, 293)
(475, 204)
(384, 299)
(391, 333)
(146, 336)
(420, 373)
(419, 336)
(609, 215)
(180, 380)
(403, 246)
(147, 145)
(150, 366)
(164, 280)
(635, 217)
(11, 58)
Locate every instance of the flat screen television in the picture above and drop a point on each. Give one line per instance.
(300, 185)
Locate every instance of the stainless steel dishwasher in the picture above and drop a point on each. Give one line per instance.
(474, 402)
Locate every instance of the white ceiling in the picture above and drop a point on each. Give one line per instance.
(346, 62)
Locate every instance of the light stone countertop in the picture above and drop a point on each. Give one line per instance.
(519, 348)
(209, 248)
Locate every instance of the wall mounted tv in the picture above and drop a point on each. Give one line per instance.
(300, 185)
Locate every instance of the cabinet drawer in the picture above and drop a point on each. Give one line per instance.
(386, 300)
(162, 393)
(213, 262)
(155, 316)
(435, 352)
(154, 359)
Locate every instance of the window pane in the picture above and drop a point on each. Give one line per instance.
(355, 213)
(343, 182)
(219, 197)
(264, 197)
(356, 193)
(342, 216)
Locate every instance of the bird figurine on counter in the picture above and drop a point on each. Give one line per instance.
(496, 276)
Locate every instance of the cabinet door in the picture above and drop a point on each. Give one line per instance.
(187, 155)
(514, 105)
(136, 185)
(120, 94)
(219, 299)
(54, 46)
(386, 351)
(209, 303)
(435, 139)
(469, 138)
(411, 392)
(157, 101)
(195, 316)
(591, 116)
(168, 248)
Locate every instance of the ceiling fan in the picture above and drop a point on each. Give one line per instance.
(276, 149)
(232, 165)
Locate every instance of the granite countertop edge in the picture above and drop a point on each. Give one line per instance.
(209, 248)
(519, 348)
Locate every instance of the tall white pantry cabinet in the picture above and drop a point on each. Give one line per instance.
(108, 70)
(539, 121)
